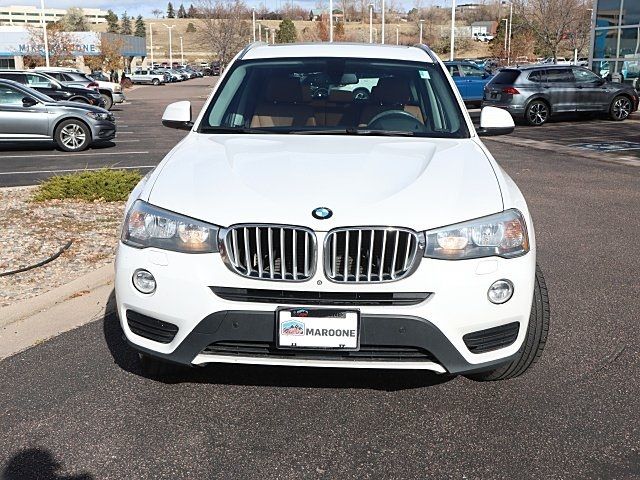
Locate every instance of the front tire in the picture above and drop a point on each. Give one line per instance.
(108, 101)
(620, 108)
(534, 341)
(72, 136)
(155, 82)
(537, 113)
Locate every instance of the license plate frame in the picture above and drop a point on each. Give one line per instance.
(318, 319)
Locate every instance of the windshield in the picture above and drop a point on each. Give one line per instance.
(337, 96)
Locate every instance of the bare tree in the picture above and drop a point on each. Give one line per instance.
(110, 56)
(225, 27)
(61, 46)
(551, 21)
(156, 12)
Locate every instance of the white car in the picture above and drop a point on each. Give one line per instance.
(290, 230)
(483, 37)
(147, 76)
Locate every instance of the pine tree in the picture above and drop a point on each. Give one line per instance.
(112, 22)
(171, 13)
(192, 12)
(141, 30)
(286, 32)
(182, 13)
(125, 23)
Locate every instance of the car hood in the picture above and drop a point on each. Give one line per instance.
(394, 181)
(80, 106)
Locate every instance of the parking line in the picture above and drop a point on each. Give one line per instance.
(75, 154)
(76, 170)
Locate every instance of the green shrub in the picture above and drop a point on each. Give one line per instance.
(107, 185)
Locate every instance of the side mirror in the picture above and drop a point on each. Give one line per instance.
(178, 115)
(495, 121)
(29, 102)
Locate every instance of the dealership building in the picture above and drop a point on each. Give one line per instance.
(15, 44)
(615, 45)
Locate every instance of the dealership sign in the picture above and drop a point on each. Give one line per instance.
(16, 43)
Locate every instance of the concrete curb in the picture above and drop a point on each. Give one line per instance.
(69, 306)
(626, 160)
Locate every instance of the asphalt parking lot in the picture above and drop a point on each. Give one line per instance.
(79, 406)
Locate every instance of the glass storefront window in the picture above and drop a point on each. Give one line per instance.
(606, 43)
(631, 12)
(629, 42)
(7, 64)
(608, 13)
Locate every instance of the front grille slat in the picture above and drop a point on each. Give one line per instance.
(270, 252)
(371, 254)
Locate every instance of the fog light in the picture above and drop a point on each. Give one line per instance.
(500, 291)
(144, 281)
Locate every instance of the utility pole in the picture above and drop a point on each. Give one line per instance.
(506, 28)
(510, 27)
(421, 24)
(181, 52)
(397, 36)
(253, 22)
(453, 29)
(151, 40)
(44, 30)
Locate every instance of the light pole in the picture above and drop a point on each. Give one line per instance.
(181, 52)
(453, 28)
(371, 23)
(397, 36)
(253, 22)
(273, 36)
(44, 30)
(506, 25)
(330, 20)
(170, 46)
(382, 28)
(151, 40)
(421, 24)
(510, 27)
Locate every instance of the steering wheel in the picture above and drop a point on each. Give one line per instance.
(396, 120)
(361, 94)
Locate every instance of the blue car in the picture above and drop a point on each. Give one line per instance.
(470, 80)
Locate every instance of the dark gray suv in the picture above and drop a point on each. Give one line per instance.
(534, 93)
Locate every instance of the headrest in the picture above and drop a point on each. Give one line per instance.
(340, 96)
(392, 90)
(283, 89)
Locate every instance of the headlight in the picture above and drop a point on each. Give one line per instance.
(149, 226)
(99, 116)
(503, 235)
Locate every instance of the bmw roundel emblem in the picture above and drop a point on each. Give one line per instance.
(322, 213)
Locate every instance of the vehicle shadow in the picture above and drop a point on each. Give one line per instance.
(37, 463)
(257, 375)
(49, 147)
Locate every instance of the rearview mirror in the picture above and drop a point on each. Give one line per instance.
(495, 121)
(178, 115)
(29, 102)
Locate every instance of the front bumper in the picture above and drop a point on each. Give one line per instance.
(118, 97)
(103, 130)
(457, 306)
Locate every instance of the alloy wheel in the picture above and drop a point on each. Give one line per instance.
(621, 108)
(537, 113)
(72, 136)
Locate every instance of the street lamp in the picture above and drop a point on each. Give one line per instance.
(330, 20)
(421, 24)
(371, 23)
(397, 36)
(170, 44)
(453, 28)
(510, 27)
(44, 30)
(181, 52)
(151, 40)
(382, 28)
(506, 25)
(253, 23)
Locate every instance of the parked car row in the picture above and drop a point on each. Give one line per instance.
(158, 75)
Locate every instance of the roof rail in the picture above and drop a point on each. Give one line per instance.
(249, 47)
(428, 51)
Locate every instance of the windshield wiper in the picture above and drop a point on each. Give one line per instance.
(354, 131)
(233, 130)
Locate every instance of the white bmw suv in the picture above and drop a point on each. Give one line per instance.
(333, 206)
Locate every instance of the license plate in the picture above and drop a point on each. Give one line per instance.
(318, 328)
(495, 96)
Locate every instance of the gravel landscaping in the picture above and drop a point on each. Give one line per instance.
(31, 232)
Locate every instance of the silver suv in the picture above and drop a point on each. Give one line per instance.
(534, 93)
(28, 115)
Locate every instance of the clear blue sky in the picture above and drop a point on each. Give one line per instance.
(135, 7)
